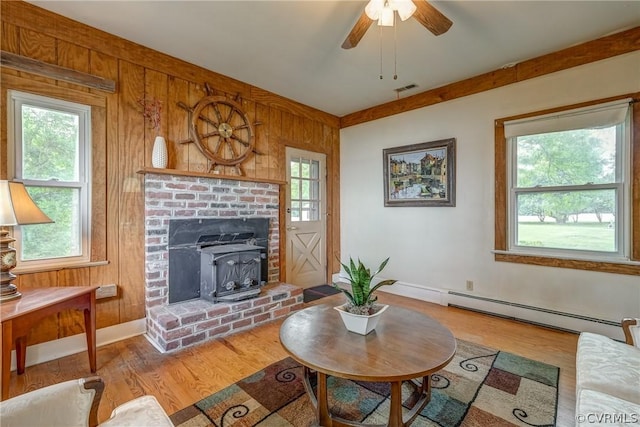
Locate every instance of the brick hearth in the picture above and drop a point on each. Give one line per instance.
(175, 326)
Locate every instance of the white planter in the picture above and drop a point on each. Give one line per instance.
(159, 156)
(358, 323)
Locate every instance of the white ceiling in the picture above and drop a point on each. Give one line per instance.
(292, 48)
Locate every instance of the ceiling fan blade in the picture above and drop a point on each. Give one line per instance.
(357, 32)
(431, 18)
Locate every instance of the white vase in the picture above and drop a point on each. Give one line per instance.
(159, 156)
(358, 323)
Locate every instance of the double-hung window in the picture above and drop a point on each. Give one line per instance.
(51, 156)
(566, 192)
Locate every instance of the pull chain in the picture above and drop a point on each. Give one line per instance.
(395, 48)
(380, 42)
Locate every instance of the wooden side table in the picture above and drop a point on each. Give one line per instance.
(20, 315)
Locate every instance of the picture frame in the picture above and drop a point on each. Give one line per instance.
(420, 174)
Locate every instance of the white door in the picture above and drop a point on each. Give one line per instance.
(306, 218)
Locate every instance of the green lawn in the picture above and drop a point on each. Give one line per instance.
(587, 235)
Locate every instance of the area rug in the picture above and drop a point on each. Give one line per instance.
(480, 387)
(317, 292)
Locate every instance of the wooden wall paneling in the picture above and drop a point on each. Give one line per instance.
(38, 46)
(177, 123)
(98, 183)
(335, 198)
(35, 33)
(48, 328)
(75, 57)
(3, 132)
(275, 101)
(37, 19)
(197, 160)
(131, 159)
(105, 185)
(297, 135)
(26, 84)
(323, 142)
(275, 134)
(308, 135)
(72, 321)
(262, 141)
(249, 165)
(319, 139)
(9, 41)
(155, 87)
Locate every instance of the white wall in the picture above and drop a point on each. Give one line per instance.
(441, 247)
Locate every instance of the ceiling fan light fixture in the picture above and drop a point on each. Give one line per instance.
(405, 8)
(374, 9)
(386, 17)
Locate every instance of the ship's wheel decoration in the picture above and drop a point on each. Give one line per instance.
(221, 130)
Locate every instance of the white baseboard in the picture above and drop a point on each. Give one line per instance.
(434, 295)
(62, 347)
(531, 314)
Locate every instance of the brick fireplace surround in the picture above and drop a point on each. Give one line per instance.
(176, 326)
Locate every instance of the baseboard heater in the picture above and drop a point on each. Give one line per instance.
(536, 315)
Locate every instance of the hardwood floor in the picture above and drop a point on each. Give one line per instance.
(133, 367)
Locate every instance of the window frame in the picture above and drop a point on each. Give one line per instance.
(503, 229)
(15, 100)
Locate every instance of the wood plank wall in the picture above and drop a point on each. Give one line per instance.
(122, 145)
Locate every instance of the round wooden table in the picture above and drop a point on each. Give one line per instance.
(406, 345)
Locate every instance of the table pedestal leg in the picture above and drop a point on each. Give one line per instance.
(324, 418)
(395, 409)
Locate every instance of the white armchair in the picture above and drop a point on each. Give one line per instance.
(75, 404)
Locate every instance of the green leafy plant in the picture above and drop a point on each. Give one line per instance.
(361, 299)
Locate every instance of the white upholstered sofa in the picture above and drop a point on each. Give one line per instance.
(75, 404)
(608, 378)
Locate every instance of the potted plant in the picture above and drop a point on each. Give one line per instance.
(360, 313)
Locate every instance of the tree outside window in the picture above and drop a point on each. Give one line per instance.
(51, 158)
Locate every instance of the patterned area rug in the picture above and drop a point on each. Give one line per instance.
(480, 387)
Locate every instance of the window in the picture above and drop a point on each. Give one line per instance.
(563, 188)
(51, 156)
(305, 189)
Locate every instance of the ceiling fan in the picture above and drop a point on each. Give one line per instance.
(384, 12)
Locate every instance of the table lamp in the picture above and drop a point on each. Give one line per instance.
(16, 208)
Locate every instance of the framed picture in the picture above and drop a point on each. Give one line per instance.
(420, 174)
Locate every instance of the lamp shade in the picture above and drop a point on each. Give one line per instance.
(17, 207)
(7, 217)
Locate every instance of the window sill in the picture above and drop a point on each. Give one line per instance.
(56, 267)
(609, 266)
